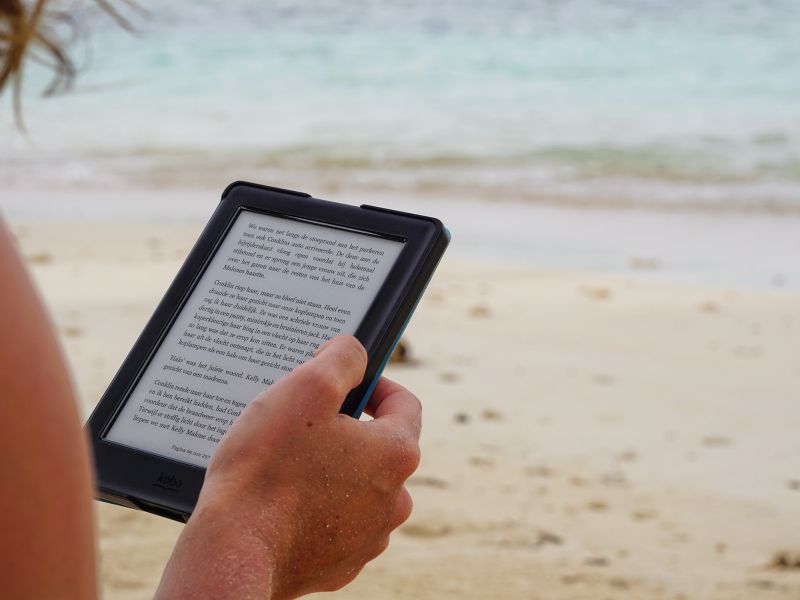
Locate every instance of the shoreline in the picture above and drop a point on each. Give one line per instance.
(723, 249)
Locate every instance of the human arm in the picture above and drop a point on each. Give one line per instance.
(46, 521)
(298, 498)
(287, 508)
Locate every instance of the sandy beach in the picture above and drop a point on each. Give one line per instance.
(609, 355)
(587, 435)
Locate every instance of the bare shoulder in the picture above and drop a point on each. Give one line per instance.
(45, 475)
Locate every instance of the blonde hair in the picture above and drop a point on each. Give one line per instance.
(26, 32)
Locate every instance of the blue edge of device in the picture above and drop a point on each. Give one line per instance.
(372, 385)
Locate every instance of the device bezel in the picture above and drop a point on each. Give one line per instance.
(141, 479)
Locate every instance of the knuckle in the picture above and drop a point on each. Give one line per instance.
(341, 580)
(321, 381)
(382, 546)
(335, 375)
(378, 548)
(334, 585)
(407, 457)
(352, 356)
(417, 411)
(355, 349)
(417, 403)
(403, 508)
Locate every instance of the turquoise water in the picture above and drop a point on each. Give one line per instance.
(649, 102)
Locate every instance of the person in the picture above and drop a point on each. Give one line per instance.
(297, 497)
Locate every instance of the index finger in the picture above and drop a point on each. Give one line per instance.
(392, 404)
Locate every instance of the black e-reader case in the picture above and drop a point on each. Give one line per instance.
(138, 479)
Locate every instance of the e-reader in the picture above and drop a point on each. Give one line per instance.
(273, 275)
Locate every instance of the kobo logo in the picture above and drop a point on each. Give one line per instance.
(169, 483)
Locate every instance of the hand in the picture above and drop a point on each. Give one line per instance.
(297, 497)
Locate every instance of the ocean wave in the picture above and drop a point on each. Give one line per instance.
(688, 102)
(596, 176)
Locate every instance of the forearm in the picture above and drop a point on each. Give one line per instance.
(218, 558)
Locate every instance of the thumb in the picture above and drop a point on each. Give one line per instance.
(323, 382)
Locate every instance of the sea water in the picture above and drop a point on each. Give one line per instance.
(649, 102)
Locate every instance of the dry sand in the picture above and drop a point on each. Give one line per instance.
(586, 436)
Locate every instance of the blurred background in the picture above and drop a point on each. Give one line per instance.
(609, 356)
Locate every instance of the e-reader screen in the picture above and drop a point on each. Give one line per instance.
(275, 289)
